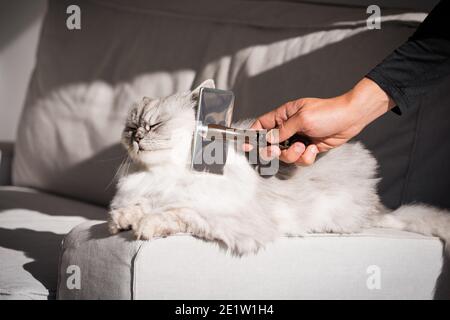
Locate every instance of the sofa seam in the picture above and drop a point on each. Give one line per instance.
(411, 159)
(60, 259)
(172, 14)
(29, 294)
(134, 272)
(336, 235)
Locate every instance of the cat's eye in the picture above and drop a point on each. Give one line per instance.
(153, 126)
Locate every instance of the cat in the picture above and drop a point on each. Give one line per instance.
(240, 209)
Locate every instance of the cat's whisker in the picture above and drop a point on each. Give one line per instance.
(128, 167)
(110, 159)
(124, 160)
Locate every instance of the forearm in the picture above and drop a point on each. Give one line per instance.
(367, 102)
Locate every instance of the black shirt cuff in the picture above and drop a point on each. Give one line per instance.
(394, 92)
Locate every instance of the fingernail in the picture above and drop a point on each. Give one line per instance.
(275, 151)
(269, 136)
(247, 147)
(299, 148)
(314, 150)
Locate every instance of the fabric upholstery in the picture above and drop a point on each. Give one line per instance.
(267, 52)
(6, 157)
(313, 267)
(32, 226)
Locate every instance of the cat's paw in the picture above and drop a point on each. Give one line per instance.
(124, 219)
(157, 225)
(245, 246)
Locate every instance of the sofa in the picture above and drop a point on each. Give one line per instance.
(60, 174)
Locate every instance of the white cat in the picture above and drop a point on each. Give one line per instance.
(241, 209)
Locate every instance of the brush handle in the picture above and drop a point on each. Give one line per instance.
(220, 132)
(295, 138)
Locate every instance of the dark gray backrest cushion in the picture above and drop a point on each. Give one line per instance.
(267, 52)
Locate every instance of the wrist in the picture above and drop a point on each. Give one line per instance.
(368, 102)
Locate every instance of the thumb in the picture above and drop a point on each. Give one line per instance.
(290, 127)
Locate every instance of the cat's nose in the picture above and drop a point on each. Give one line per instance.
(140, 133)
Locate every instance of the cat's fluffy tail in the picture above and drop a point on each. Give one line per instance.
(419, 218)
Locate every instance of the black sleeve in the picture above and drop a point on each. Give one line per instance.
(413, 68)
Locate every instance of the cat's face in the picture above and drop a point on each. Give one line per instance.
(159, 131)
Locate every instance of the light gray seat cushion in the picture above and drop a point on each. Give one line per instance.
(314, 267)
(32, 226)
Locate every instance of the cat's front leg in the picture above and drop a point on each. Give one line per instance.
(158, 222)
(171, 220)
(158, 225)
(124, 218)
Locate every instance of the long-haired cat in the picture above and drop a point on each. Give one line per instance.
(241, 209)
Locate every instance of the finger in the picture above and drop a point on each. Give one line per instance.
(287, 129)
(256, 125)
(279, 115)
(270, 152)
(279, 118)
(266, 121)
(292, 154)
(247, 147)
(309, 156)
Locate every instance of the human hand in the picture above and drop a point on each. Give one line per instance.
(329, 123)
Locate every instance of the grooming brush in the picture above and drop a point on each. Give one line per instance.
(213, 131)
(219, 132)
(215, 107)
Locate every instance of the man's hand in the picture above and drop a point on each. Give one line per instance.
(329, 123)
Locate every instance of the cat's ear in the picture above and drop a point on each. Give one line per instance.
(132, 114)
(136, 107)
(205, 84)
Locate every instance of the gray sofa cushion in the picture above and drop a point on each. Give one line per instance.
(268, 52)
(6, 158)
(32, 226)
(313, 267)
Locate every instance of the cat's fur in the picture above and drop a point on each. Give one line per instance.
(240, 208)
